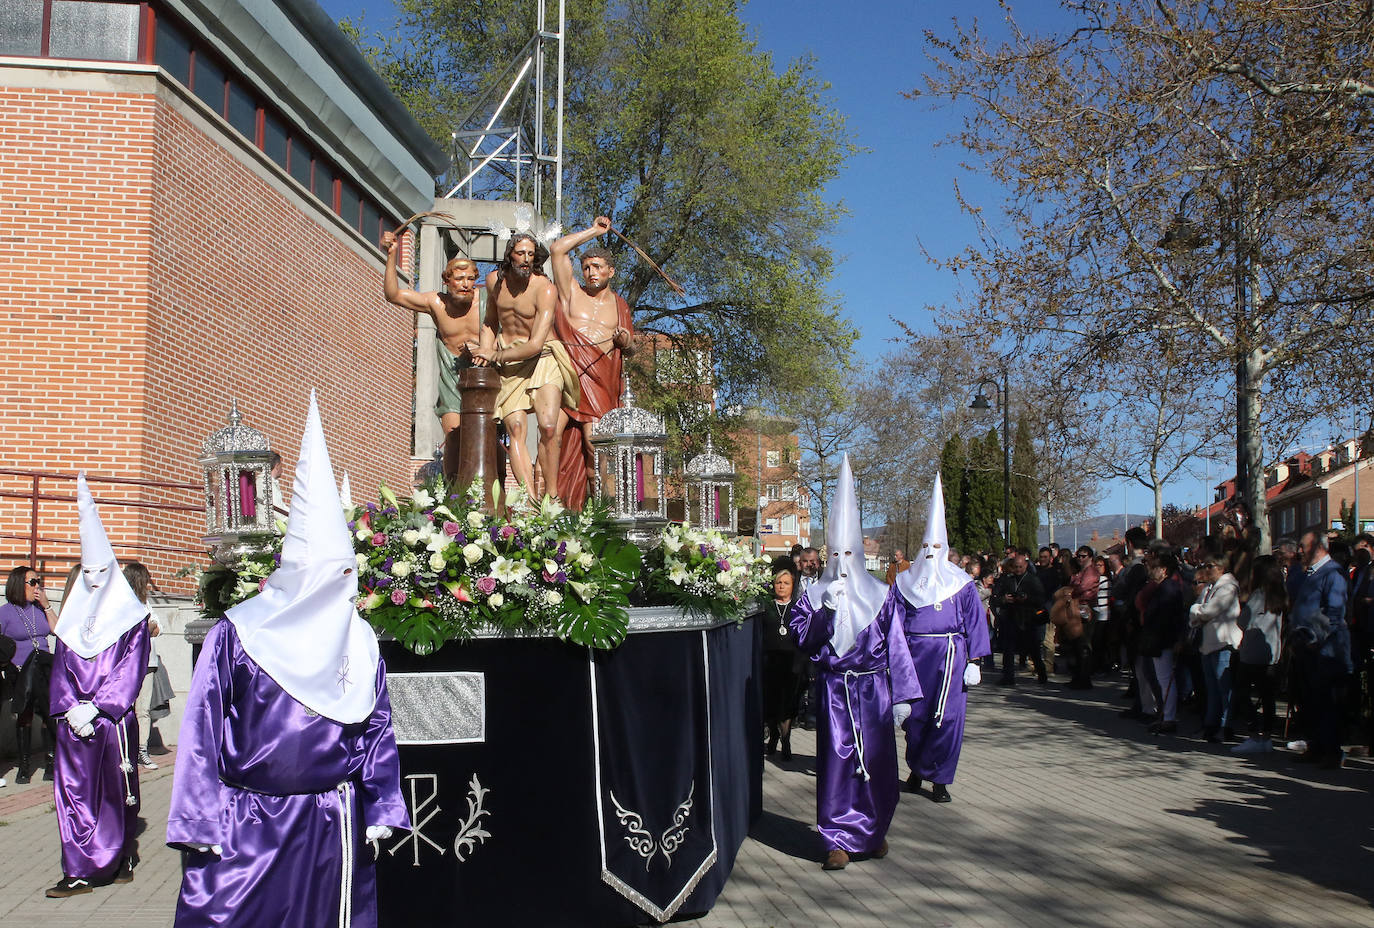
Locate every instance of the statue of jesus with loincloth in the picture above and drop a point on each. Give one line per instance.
(537, 378)
(595, 326)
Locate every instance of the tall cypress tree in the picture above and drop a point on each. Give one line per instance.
(1025, 509)
(953, 464)
(984, 494)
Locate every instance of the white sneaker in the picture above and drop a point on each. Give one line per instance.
(1253, 746)
(3, 784)
(146, 761)
(1298, 747)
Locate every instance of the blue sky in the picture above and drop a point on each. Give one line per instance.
(900, 190)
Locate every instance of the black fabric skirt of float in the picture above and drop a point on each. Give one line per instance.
(604, 788)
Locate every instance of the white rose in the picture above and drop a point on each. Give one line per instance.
(553, 597)
(437, 562)
(723, 578)
(585, 560)
(362, 561)
(573, 547)
(475, 519)
(401, 569)
(410, 537)
(472, 553)
(495, 600)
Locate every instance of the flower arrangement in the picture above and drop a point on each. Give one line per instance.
(433, 567)
(702, 570)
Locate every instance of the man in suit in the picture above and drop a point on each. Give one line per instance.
(1320, 640)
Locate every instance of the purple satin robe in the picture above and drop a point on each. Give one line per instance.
(96, 797)
(287, 795)
(942, 639)
(856, 792)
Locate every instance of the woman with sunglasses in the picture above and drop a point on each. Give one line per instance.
(27, 617)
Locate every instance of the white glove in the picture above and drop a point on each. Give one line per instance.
(378, 832)
(972, 675)
(215, 849)
(85, 731)
(831, 599)
(81, 716)
(901, 712)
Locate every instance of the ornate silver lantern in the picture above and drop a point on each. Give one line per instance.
(237, 461)
(629, 444)
(710, 481)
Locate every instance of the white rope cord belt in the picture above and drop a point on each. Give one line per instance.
(949, 671)
(345, 791)
(853, 722)
(125, 766)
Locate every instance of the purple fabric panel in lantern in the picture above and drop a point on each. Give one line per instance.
(248, 495)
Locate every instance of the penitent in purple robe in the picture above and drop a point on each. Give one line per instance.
(285, 793)
(942, 639)
(95, 782)
(856, 753)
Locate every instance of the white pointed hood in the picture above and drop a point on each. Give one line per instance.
(860, 594)
(932, 576)
(303, 628)
(102, 606)
(346, 493)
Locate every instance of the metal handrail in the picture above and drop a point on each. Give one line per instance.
(35, 495)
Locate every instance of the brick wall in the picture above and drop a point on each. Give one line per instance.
(157, 268)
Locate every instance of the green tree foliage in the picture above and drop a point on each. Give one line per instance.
(1025, 496)
(696, 144)
(953, 467)
(983, 495)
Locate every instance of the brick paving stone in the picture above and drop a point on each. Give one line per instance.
(1064, 815)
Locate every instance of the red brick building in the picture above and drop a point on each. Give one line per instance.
(191, 196)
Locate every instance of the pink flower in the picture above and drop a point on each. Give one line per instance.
(486, 585)
(398, 597)
(451, 529)
(508, 531)
(378, 539)
(262, 584)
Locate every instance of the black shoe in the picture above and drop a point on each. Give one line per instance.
(69, 886)
(913, 784)
(940, 793)
(125, 873)
(786, 749)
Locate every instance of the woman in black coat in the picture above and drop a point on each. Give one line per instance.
(782, 662)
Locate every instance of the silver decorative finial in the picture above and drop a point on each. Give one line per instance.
(627, 396)
(234, 417)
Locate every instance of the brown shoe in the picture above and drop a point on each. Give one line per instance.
(836, 860)
(881, 852)
(125, 873)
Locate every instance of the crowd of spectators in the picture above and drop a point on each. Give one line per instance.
(1215, 631)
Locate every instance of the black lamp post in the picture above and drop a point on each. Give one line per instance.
(981, 403)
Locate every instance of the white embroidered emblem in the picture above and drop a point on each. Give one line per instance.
(344, 682)
(642, 842)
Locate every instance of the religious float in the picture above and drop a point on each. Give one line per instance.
(574, 694)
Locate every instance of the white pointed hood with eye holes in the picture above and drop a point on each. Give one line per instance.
(860, 594)
(303, 628)
(102, 606)
(933, 577)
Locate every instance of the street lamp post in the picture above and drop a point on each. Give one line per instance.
(980, 402)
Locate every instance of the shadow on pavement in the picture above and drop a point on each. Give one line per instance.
(787, 836)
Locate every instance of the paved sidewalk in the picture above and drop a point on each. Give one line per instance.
(1063, 815)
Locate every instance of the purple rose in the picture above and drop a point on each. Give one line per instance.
(486, 585)
(378, 539)
(452, 529)
(398, 596)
